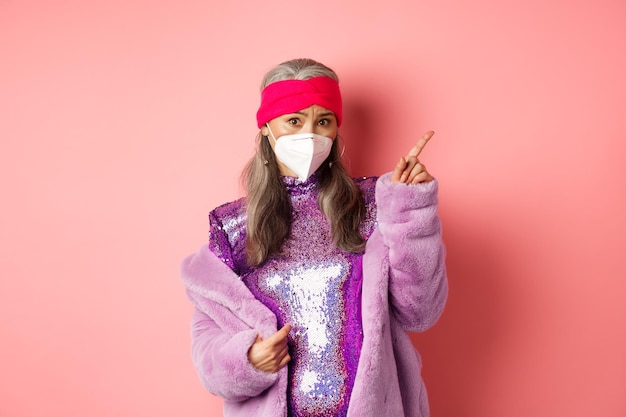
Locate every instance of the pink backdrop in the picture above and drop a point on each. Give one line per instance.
(124, 122)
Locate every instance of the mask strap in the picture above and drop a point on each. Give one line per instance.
(343, 150)
(271, 133)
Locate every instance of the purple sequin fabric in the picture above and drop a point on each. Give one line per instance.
(312, 285)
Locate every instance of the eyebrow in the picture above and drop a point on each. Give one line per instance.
(325, 114)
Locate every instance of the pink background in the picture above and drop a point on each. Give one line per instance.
(124, 122)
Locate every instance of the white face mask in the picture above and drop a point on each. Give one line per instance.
(302, 153)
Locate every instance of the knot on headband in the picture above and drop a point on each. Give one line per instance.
(289, 96)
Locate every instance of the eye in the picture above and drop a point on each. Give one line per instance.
(293, 121)
(324, 122)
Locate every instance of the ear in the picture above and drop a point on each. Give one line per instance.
(265, 131)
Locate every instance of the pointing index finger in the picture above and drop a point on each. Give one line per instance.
(419, 146)
(280, 335)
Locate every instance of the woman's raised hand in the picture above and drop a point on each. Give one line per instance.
(409, 170)
(271, 354)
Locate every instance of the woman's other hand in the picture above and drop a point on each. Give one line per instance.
(271, 354)
(409, 170)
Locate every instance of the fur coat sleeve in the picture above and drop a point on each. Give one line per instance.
(224, 326)
(404, 288)
(411, 231)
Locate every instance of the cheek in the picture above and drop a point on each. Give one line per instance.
(283, 128)
(328, 131)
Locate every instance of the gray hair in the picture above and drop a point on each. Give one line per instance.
(268, 207)
(297, 69)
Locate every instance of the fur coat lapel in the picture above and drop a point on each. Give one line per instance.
(212, 285)
(377, 358)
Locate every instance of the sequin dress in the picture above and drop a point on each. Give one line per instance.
(315, 287)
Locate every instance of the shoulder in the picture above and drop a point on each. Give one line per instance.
(229, 210)
(229, 217)
(367, 185)
(365, 181)
(227, 232)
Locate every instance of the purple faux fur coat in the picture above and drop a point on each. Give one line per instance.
(404, 289)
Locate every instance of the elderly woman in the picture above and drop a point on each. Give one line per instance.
(308, 285)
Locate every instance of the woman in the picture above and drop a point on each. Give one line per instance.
(308, 284)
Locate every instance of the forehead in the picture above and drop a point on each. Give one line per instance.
(314, 110)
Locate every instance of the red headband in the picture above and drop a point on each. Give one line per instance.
(289, 96)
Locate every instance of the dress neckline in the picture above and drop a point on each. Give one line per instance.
(294, 184)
